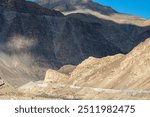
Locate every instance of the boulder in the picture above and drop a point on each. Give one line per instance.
(54, 76)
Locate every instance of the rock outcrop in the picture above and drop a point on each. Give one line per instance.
(5, 88)
(129, 71)
(67, 69)
(53, 76)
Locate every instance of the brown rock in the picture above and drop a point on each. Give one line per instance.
(116, 72)
(54, 76)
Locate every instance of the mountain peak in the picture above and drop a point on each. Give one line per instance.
(65, 1)
(72, 5)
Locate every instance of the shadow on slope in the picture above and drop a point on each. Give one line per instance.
(54, 41)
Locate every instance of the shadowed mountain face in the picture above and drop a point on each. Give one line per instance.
(33, 38)
(26, 7)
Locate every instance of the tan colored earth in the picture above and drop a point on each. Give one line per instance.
(113, 77)
(131, 71)
(31, 44)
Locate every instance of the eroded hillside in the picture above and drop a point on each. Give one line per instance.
(34, 39)
(112, 77)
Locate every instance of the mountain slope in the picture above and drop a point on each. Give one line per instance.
(92, 8)
(129, 71)
(33, 38)
(26, 7)
(71, 5)
(113, 77)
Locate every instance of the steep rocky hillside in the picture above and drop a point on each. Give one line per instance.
(92, 8)
(33, 39)
(5, 88)
(129, 71)
(15, 75)
(112, 77)
(26, 7)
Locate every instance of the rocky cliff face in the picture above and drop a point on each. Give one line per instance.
(33, 38)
